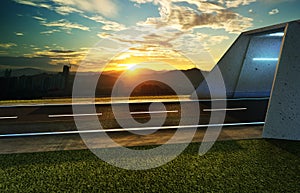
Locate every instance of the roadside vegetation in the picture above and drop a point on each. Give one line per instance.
(230, 166)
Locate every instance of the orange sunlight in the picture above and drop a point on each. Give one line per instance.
(156, 60)
(129, 67)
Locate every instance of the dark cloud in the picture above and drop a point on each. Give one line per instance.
(62, 51)
(24, 62)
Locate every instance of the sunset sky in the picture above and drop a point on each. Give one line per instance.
(118, 35)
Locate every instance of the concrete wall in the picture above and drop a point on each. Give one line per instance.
(256, 77)
(230, 66)
(283, 116)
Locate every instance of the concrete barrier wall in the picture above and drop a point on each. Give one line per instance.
(230, 65)
(283, 116)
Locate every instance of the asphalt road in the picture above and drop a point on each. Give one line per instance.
(60, 117)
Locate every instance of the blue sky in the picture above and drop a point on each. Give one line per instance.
(116, 35)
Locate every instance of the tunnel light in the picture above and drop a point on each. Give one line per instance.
(265, 59)
(278, 34)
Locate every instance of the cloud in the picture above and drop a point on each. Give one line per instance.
(184, 18)
(3, 52)
(277, 1)
(65, 10)
(207, 14)
(136, 5)
(19, 33)
(164, 45)
(21, 62)
(235, 3)
(38, 18)
(26, 2)
(62, 51)
(165, 5)
(274, 12)
(50, 31)
(36, 3)
(150, 39)
(108, 25)
(7, 45)
(211, 40)
(65, 24)
(204, 5)
(105, 7)
(57, 53)
(59, 57)
(142, 45)
(103, 35)
(64, 7)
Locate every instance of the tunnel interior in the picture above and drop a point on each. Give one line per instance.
(259, 65)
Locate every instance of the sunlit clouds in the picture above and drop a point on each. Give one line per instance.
(108, 25)
(235, 3)
(129, 34)
(66, 25)
(19, 33)
(61, 56)
(7, 45)
(186, 18)
(64, 7)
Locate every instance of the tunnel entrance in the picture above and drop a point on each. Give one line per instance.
(259, 65)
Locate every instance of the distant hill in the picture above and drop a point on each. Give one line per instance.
(150, 82)
(195, 75)
(26, 72)
(142, 82)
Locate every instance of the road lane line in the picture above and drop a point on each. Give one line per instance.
(13, 117)
(227, 109)
(128, 129)
(152, 112)
(74, 115)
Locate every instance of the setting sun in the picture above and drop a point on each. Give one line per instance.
(130, 67)
(158, 60)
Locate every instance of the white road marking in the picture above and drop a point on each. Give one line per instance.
(152, 112)
(74, 115)
(128, 129)
(13, 117)
(227, 109)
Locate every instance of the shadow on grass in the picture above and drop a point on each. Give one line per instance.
(292, 147)
(219, 146)
(71, 156)
(49, 158)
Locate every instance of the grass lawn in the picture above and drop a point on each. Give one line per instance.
(230, 166)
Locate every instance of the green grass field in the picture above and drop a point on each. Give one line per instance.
(230, 166)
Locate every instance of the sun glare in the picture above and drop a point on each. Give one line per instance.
(130, 67)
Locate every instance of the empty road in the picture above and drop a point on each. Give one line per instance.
(28, 119)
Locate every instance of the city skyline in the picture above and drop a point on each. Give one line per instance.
(121, 35)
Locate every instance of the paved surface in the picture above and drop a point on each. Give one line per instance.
(74, 142)
(60, 117)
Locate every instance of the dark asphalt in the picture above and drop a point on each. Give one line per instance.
(49, 118)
